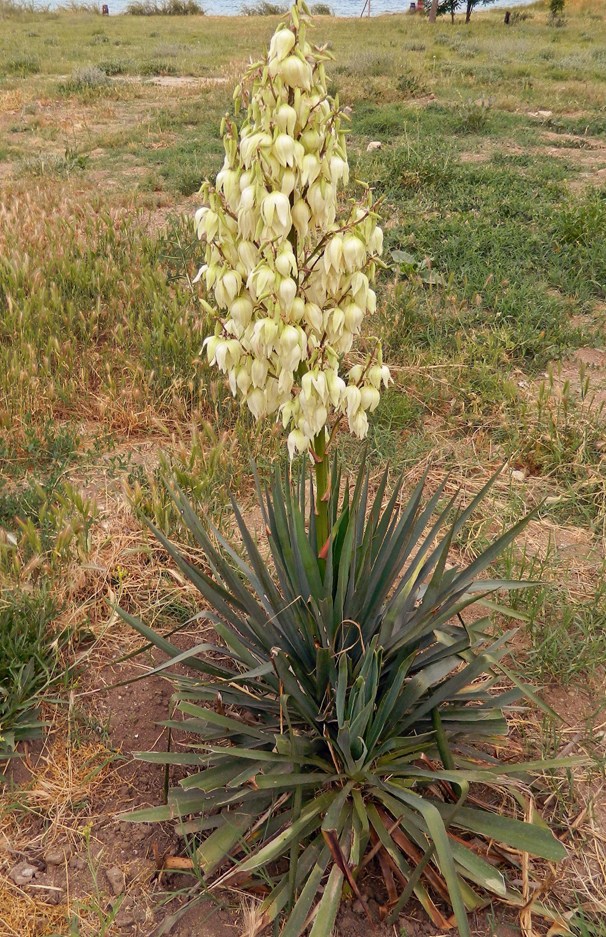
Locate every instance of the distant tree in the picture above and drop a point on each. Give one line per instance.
(470, 6)
(450, 7)
(556, 9)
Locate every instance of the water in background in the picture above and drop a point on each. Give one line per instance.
(339, 7)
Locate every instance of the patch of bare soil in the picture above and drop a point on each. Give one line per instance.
(71, 849)
(588, 153)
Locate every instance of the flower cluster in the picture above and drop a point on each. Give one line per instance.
(291, 280)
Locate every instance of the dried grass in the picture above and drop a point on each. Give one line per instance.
(23, 916)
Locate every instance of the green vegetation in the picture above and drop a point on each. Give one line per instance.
(164, 8)
(332, 700)
(29, 663)
(492, 310)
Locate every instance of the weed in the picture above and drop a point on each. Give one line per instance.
(80, 6)
(411, 84)
(21, 66)
(567, 635)
(29, 662)
(206, 469)
(90, 80)
(263, 8)
(164, 8)
(158, 68)
(49, 164)
(472, 117)
(114, 67)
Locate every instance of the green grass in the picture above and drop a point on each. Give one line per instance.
(102, 389)
(100, 328)
(29, 663)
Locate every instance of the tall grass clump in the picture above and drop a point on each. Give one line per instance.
(80, 6)
(348, 715)
(164, 8)
(85, 331)
(10, 8)
(29, 663)
(263, 8)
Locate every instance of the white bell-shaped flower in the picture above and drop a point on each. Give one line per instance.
(288, 280)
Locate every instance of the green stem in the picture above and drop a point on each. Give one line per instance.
(442, 741)
(321, 470)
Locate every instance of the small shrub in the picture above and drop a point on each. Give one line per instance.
(520, 16)
(158, 68)
(29, 662)
(472, 118)
(410, 84)
(114, 68)
(99, 39)
(264, 8)
(21, 66)
(87, 79)
(164, 8)
(19, 7)
(80, 6)
(54, 164)
(321, 9)
(556, 9)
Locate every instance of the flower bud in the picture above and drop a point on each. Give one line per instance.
(336, 387)
(285, 261)
(241, 310)
(275, 209)
(257, 403)
(358, 424)
(295, 73)
(286, 118)
(310, 169)
(281, 44)
(311, 141)
(284, 148)
(354, 253)
(297, 442)
(300, 217)
(211, 343)
(248, 254)
(352, 399)
(287, 292)
(369, 398)
(258, 372)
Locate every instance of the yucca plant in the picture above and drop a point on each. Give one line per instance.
(351, 713)
(350, 710)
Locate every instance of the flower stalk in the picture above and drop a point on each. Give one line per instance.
(289, 267)
(320, 457)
